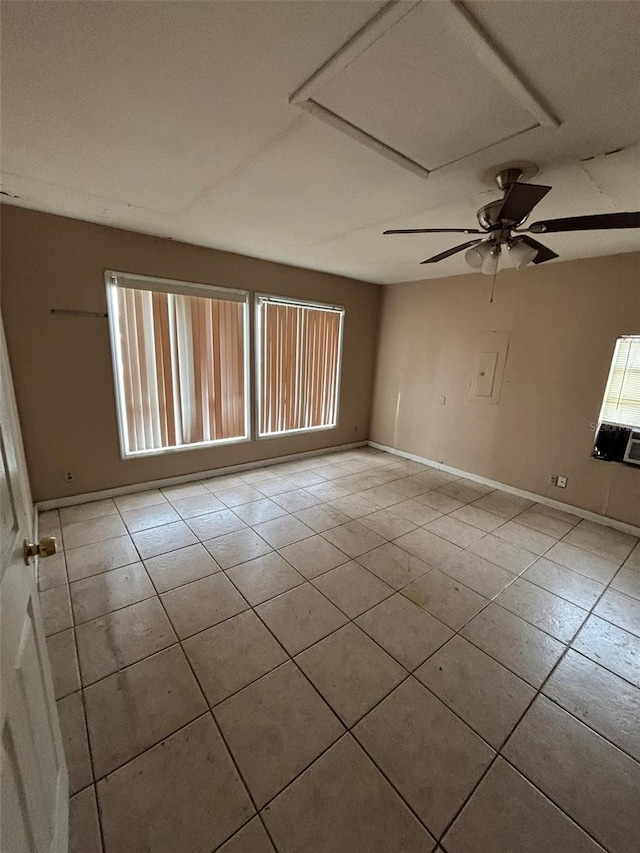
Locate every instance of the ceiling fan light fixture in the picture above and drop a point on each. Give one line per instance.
(521, 254)
(476, 255)
(491, 262)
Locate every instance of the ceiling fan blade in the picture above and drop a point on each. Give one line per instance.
(544, 253)
(450, 252)
(434, 231)
(520, 201)
(587, 223)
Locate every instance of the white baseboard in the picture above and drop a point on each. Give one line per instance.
(73, 500)
(541, 499)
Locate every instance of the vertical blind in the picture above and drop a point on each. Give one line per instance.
(299, 365)
(180, 366)
(621, 403)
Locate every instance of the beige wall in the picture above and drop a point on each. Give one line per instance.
(563, 321)
(62, 365)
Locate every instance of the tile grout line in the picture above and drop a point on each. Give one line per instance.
(350, 620)
(389, 508)
(199, 716)
(497, 752)
(349, 728)
(209, 712)
(519, 721)
(431, 568)
(393, 590)
(440, 568)
(85, 719)
(314, 688)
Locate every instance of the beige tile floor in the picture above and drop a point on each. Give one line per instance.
(348, 653)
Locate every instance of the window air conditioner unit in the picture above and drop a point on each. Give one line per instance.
(612, 441)
(632, 453)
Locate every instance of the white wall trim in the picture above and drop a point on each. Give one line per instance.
(485, 48)
(367, 35)
(313, 108)
(73, 500)
(88, 497)
(541, 499)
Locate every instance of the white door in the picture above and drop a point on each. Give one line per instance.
(34, 784)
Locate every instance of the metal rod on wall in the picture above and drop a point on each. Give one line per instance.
(79, 313)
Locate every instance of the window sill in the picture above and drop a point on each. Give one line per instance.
(202, 445)
(285, 433)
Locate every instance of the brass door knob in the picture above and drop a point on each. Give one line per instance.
(45, 547)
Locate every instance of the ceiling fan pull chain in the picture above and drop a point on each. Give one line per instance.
(493, 285)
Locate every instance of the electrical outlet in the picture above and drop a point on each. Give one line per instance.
(561, 482)
(442, 401)
(553, 480)
(68, 477)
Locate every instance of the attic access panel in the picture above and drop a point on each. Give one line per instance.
(423, 85)
(421, 91)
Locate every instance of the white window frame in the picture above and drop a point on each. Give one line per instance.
(260, 298)
(183, 288)
(601, 419)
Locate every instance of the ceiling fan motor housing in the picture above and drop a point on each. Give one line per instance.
(506, 177)
(488, 214)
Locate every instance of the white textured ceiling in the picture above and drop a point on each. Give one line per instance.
(173, 118)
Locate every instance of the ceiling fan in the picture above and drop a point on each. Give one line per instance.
(501, 226)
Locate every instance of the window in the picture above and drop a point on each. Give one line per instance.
(621, 404)
(299, 350)
(180, 363)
